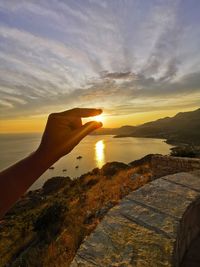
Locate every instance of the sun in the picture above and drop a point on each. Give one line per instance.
(99, 118)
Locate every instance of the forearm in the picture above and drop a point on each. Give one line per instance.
(15, 180)
(64, 130)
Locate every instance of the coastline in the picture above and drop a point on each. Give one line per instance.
(182, 149)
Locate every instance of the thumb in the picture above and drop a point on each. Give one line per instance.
(87, 128)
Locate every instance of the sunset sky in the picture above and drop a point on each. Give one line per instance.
(139, 60)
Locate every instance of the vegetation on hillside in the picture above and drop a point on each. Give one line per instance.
(185, 151)
(46, 227)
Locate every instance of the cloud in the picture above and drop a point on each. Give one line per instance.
(135, 94)
(117, 75)
(126, 56)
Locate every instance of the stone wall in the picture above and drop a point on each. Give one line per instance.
(151, 227)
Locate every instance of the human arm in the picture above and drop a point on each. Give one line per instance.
(64, 130)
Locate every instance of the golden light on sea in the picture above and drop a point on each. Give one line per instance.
(100, 153)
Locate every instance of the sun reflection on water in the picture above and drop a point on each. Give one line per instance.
(99, 153)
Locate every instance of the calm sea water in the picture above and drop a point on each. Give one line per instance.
(95, 152)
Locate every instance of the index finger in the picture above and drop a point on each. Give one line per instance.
(82, 112)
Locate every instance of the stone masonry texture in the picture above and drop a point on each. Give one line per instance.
(151, 227)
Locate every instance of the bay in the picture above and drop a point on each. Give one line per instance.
(94, 150)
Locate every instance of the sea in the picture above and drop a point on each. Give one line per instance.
(95, 151)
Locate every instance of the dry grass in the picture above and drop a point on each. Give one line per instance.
(87, 201)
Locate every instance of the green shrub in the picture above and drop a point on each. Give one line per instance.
(50, 221)
(183, 151)
(111, 168)
(54, 184)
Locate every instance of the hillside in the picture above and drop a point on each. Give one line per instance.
(46, 227)
(182, 128)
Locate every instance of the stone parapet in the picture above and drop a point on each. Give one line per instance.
(151, 227)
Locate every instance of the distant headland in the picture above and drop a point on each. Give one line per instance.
(183, 128)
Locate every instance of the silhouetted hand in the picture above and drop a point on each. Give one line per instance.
(64, 130)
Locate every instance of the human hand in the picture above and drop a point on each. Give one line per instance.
(64, 130)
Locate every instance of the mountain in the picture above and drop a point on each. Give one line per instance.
(184, 127)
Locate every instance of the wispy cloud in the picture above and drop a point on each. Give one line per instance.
(126, 56)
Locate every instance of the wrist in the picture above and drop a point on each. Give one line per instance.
(45, 157)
